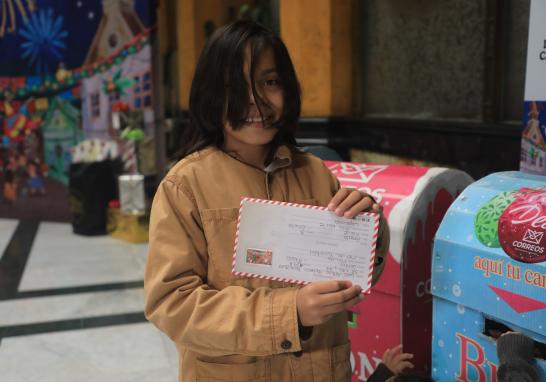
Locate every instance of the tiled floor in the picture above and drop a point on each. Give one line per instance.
(71, 309)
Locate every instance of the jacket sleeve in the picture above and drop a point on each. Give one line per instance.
(179, 302)
(381, 374)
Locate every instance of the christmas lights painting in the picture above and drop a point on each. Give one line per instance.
(9, 10)
(44, 41)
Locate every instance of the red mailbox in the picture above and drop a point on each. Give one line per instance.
(399, 309)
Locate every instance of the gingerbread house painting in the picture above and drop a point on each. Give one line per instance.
(532, 132)
(61, 131)
(118, 25)
(533, 144)
(97, 99)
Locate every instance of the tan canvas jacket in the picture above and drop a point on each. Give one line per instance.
(228, 328)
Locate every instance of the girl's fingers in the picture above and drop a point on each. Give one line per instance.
(353, 198)
(390, 353)
(397, 349)
(336, 308)
(341, 296)
(362, 205)
(387, 355)
(403, 357)
(340, 195)
(349, 202)
(321, 287)
(404, 365)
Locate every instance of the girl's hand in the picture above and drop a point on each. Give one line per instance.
(349, 202)
(317, 302)
(397, 361)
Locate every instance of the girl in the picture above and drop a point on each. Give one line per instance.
(244, 106)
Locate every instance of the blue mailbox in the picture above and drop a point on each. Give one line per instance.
(489, 275)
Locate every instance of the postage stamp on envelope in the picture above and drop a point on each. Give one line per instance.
(259, 256)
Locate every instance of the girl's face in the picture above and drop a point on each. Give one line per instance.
(254, 131)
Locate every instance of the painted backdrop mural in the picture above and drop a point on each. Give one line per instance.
(65, 65)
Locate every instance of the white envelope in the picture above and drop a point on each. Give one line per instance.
(297, 243)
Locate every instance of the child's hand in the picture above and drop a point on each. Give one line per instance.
(349, 202)
(397, 361)
(317, 302)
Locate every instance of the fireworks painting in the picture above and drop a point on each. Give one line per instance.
(44, 41)
(8, 12)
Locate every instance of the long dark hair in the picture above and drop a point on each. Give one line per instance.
(219, 84)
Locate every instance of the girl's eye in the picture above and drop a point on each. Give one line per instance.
(272, 82)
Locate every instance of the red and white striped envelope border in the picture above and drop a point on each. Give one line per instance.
(375, 216)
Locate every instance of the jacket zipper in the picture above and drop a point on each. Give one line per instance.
(267, 185)
(267, 173)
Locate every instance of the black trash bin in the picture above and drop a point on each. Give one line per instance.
(92, 186)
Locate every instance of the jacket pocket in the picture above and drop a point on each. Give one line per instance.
(220, 226)
(341, 362)
(236, 372)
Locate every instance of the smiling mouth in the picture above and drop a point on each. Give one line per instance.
(259, 119)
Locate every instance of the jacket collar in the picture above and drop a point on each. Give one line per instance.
(282, 158)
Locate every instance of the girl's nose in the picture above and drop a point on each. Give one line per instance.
(251, 99)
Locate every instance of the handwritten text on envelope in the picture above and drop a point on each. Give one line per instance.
(292, 243)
